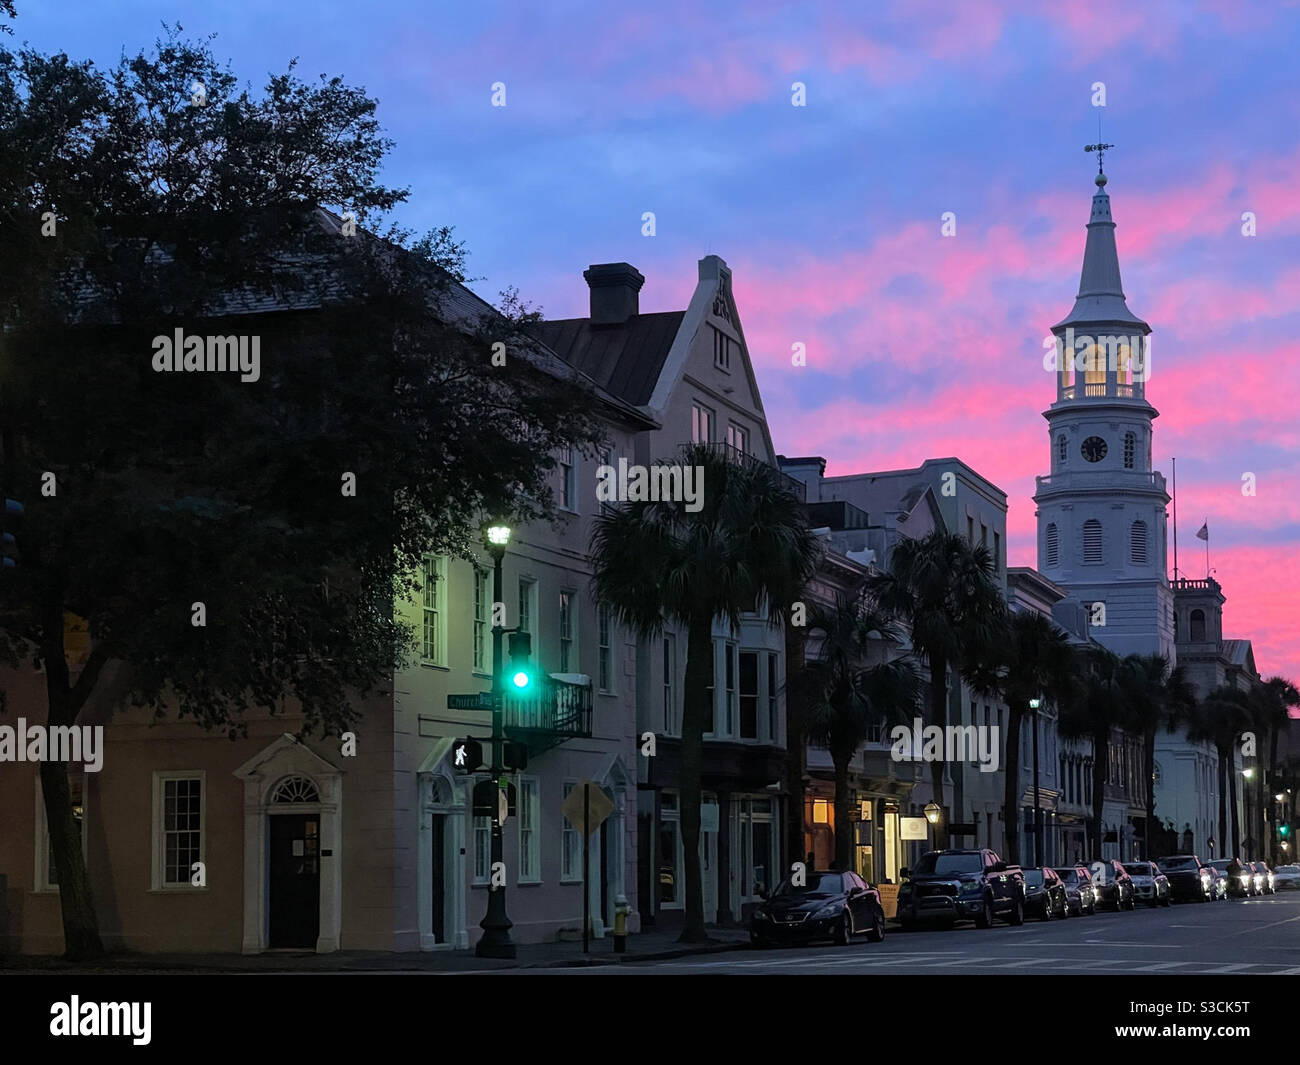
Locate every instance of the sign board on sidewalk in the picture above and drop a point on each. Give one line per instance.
(913, 828)
(888, 899)
(599, 806)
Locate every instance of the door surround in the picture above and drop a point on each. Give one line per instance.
(442, 793)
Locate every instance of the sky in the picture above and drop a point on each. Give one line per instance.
(830, 214)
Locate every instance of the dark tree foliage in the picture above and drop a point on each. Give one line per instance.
(160, 196)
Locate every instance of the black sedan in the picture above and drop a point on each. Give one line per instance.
(835, 906)
(1113, 885)
(1044, 894)
(1188, 881)
(1080, 896)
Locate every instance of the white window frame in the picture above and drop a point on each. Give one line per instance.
(433, 603)
(757, 695)
(738, 438)
(771, 679)
(714, 688)
(480, 830)
(668, 650)
(569, 480)
(567, 627)
(482, 635)
(527, 620)
(605, 627)
(674, 817)
(730, 695)
(530, 836)
(721, 350)
(570, 844)
(43, 851)
(158, 835)
(702, 422)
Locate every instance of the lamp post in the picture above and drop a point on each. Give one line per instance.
(1034, 704)
(495, 941)
(1249, 842)
(933, 811)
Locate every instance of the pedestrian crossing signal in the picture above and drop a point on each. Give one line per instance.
(467, 756)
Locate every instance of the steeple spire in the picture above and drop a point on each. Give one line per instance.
(1101, 293)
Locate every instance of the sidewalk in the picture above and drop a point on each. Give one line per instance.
(647, 946)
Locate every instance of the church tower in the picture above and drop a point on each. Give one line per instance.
(1101, 510)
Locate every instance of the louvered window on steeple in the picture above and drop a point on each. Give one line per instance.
(1092, 540)
(1197, 626)
(1138, 543)
(1062, 449)
(1052, 544)
(1130, 444)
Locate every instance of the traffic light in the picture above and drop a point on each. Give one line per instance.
(10, 519)
(514, 756)
(520, 671)
(1284, 831)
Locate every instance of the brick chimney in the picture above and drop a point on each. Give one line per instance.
(614, 288)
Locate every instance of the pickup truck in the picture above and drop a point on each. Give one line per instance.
(955, 885)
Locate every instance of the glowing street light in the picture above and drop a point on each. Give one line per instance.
(932, 812)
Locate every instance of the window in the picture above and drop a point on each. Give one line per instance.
(606, 458)
(721, 350)
(1138, 543)
(738, 438)
(433, 632)
(1052, 544)
(701, 424)
(178, 815)
(970, 530)
(1062, 450)
(527, 603)
(1092, 540)
(568, 479)
(772, 689)
(997, 552)
(605, 656)
(729, 723)
(1196, 626)
(749, 695)
(482, 610)
(1129, 448)
(670, 685)
(984, 535)
(570, 846)
(482, 849)
(568, 624)
(713, 695)
(47, 876)
(671, 894)
(530, 865)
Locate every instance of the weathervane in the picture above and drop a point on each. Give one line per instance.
(1100, 149)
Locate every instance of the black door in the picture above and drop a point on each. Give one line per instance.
(606, 912)
(295, 880)
(439, 880)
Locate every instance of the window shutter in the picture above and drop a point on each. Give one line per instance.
(1092, 540)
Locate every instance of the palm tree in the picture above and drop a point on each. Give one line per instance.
(844, 697)
(1092, 709)
(1036, 661)
(1223, 716)
(658, 563)
(942, 589)
(1157, 697)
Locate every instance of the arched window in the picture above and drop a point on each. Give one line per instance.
(296, 789)
(1052, 544)
(1137, 548)
(1092, 540)
(1196, 626)
(1062, 449)
(1130, 447)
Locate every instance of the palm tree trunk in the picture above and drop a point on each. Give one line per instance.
(843, 812)
(1100, 756)
(697, 715)
(80, 923)
(939, 717)
(796, 745)
(1232, 807)
(1149, 768)
(1011, 783)
(1227, 851)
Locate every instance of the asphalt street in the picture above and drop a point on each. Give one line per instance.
(1258, 936)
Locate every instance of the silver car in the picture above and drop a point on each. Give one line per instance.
(1287, 877)
(1150, 885)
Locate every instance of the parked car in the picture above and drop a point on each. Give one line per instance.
(1113, 885)
(1080, 896)
(1263, 879)
(1150, 885)
(830, 905)
(1218, 883)
(1044, 894)
(1287, 877)
(1237, 879)
(1189, 881)
(959, 884)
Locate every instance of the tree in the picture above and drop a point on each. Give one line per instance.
(1092, 709)
(845, 695)
(1034, 659)
(1224, 714)
(657, 563)
(233, 540)
(1157, 697)
(942, 590)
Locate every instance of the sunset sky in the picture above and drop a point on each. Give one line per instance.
(918, 345)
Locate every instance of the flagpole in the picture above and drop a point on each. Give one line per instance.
(1207, 547)
(1175, 462)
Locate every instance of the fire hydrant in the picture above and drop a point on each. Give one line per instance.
(620, 924)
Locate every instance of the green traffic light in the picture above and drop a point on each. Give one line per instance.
(521, 679)
(1285, 829)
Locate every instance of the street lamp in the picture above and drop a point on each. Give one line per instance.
(1248, 773)
(932, 812)
(495, 941)
(1034, 704)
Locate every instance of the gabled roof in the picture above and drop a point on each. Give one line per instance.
(625, 359)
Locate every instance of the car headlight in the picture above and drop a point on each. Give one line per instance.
(761, 915)
(1244, 880)
(832, 909)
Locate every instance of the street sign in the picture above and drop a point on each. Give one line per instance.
(472, 701)
(466, 755)
(599, 807)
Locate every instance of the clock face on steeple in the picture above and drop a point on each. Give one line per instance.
(1094, 449)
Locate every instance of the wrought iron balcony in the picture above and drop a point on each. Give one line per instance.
(553, 712)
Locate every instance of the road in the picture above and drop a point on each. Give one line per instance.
(1251, 936)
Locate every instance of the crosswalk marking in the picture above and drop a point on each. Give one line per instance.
(1231, 968)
